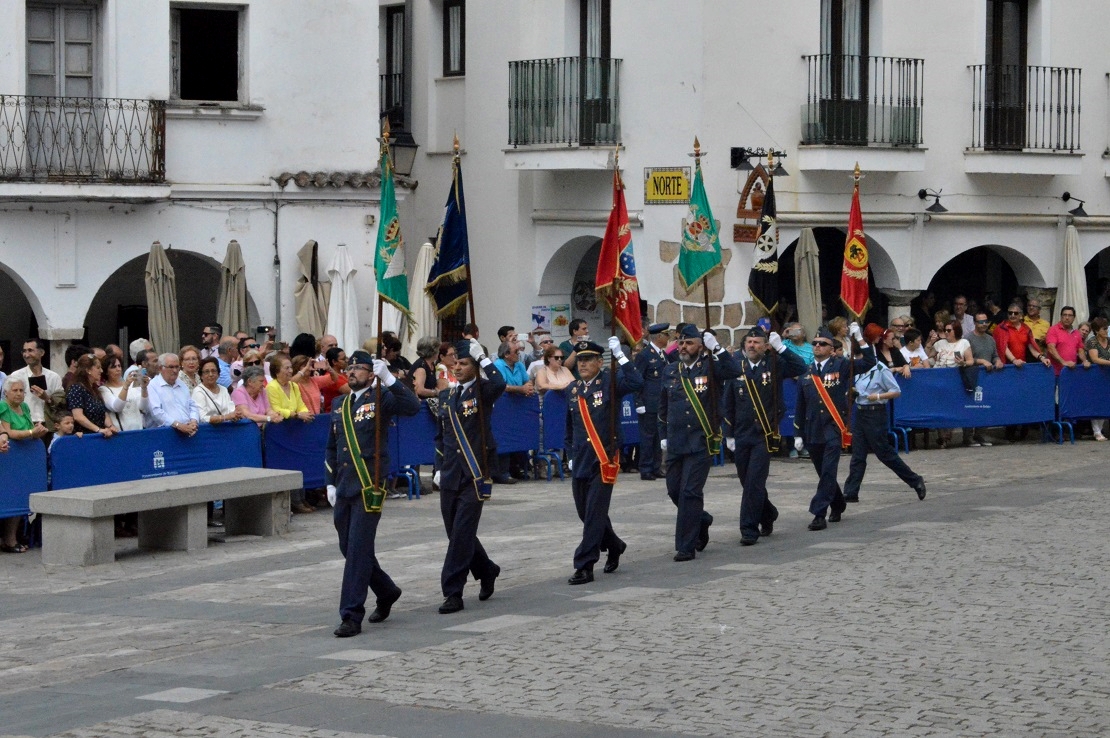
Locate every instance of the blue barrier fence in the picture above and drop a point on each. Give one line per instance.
(1085, 393)
(22, 471)
(935, 398)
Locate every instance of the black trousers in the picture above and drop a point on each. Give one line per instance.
(591, 500)
(753, 462)
(826, 460)
(462, 510)
(651, 457)
(686, 475)
(869, 427)
(357, 529)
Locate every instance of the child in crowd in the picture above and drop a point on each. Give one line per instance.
(65, 426)
(914, 351)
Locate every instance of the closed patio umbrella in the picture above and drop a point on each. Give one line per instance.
(1073, 279)
(311, 294)
(161, 301)
(231, 309)
(807, 282)
(343, 305)
(423, 309)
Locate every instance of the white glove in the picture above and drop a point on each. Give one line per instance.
(710, 341)
(435, 478)
(476, 351)
(663, 444)
(332, 493)
(776, 342)
(856, 333)
(640, 409)
(730, 443)
(798, 443)
(381, 371)
(615, 347)
(570, 464)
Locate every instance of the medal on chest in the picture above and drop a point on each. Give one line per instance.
(469, 407)
(597, 398)
(831, 379)
(701, 384)
(364, 412)
(765, 378)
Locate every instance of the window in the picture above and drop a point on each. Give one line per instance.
(206, 54)
(454, 38)
(61, 50)
(392, 88)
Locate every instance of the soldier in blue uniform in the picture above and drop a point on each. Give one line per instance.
(463, 474)
(345, 484)
(585, 437)
(753, 411)
(689, 433)
(817, 428)
(650, 363)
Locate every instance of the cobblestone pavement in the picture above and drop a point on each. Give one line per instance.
(982, 610)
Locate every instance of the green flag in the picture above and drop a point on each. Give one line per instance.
(700, 255)
(389, 254)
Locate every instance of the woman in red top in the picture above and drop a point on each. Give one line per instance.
(333, 382)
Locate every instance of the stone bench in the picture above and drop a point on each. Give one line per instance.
(78, 524)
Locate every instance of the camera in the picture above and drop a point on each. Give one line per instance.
(264, 329)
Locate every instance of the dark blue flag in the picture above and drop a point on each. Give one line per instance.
(449, 278)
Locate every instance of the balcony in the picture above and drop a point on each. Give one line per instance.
(862, 108)
(82, 140)
(568, 103)
(1025, 120)
(391, 99)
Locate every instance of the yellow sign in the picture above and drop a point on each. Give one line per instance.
(666, 185)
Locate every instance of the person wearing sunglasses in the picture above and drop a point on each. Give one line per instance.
(821, 415)
(553, 375)
(1015, 341)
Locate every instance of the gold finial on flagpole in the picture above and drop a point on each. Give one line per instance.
(857, 175)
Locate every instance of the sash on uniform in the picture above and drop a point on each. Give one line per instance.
(771, 435)
(610, 468)
(483, 487)
(372, 495)
(845, 434)
(712, 437)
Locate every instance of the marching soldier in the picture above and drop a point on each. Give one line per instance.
(353, 491)
(590, 401)
(753, 409)
(689, 432)
(465, 445)
(650, 363)
(819, 419)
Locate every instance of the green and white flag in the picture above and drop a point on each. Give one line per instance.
(700, 255)
(389, 254)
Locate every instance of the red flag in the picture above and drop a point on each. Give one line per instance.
(616, 269)
(853, 279)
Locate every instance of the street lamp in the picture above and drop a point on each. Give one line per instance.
(936, 207)
(1077, 211)
(402, 149)
(739, 155)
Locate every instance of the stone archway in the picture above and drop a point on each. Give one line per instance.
(1098, 283)
(20, 318)
(999, 271)
(117, 314)
(830, 247)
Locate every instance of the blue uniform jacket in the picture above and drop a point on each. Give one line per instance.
(678, 424)
(598, 396)
(338, 469)
(651, 365)
(454, 472)
(811, 417)
(766, 376)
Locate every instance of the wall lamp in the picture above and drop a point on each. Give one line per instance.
(739, 156)
(936, 207)
(1078, 211)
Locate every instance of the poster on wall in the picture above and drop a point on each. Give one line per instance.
(555, 318)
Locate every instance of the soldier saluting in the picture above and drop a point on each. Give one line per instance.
(352, 452)
(595, 446)
(465, 443)
(753, 408)
(690, 432)
(650, 363)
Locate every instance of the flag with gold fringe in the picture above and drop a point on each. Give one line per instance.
(449, 278)
(854, 289)
(616, 282)
(389, 252)
(700, 254)
(763, 280)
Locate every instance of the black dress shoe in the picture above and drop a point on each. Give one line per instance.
(347, 629)
(381, 612)
(581, 576)
(920, 490)
(703, 535)
(818, 524)
(684, 556)
(504, 479)
(487, 584)
(749, 541)
(648, 477)
(452, 604)
(613, 560)
(851, 499)
(834, 516)
(766, 529)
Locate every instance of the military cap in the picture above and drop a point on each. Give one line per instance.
(757, 332)
(690, 331)
(656, 328)
(587, 349)
(361, 357)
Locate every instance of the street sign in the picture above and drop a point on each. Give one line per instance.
(666, 185)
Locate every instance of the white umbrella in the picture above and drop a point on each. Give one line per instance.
(807, 282)
(423, 309)
(343, 306)
(1073, 280)
(231, 310)
(310, 296)
(161, 301)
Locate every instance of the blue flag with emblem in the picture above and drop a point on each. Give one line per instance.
(449, 278)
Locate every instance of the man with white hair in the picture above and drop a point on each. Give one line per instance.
(171, 402)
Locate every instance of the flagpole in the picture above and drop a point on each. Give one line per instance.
(714, 419)
(856, 177)
(384, 153)
(613, 399)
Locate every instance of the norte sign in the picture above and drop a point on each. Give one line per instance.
(666, 185)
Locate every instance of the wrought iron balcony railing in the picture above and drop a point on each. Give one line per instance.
(1015, 107)
(82, 139)
(391, 99)
(863, 100)
(570, 100)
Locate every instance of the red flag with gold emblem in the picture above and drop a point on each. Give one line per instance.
(616, 269)
(853, 279)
